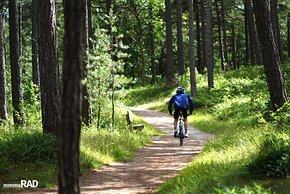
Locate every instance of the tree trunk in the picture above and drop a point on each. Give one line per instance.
(3, 109)
(17, 98)
(199, 64)
(246, 23)
(255, 51)
(209, 45)
(169, 48)
(193, 87)
(219, 34)
(225, 41)
(74, 22)
(151, 44)
(276, 26)
(86, 111)
(203, 35)
(35, 57)
(19, 7)
(278, 94)
(288, 35)
(234, 47)
(49, 72)
(180, 49)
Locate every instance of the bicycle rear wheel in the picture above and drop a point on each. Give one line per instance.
(181, 137)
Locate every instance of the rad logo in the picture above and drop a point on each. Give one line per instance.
(29, 183)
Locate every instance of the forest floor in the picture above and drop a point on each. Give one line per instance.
(152, 165)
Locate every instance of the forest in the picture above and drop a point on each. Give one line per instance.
(71, 70)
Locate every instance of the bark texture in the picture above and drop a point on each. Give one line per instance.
(49, 72)
(278, 94)
(209, 45)
(193, 87)
(35, 57)
(17, 96)
(180, 49)
(3, 109)
(74, 18)
(276, 26)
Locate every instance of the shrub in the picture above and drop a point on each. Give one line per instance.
(273, 158)
(20, 146)
(258, 189)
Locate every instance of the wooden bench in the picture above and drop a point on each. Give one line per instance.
(136, 127)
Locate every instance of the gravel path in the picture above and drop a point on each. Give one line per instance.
(152, 165)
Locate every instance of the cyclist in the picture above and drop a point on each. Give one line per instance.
(181, 102)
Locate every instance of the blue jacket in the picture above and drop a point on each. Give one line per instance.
(181, 100)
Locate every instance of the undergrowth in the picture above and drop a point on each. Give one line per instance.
(31, 155)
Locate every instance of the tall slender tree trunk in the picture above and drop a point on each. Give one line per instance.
(219, 34)
(275, 82)
(234, 47)
(193, 87)
(203, 35)
(169, 48)
(86, 111)
(225, 41)
(19, 7)
(74, 22)
(250, 31)
(49, 71)
(246, 24)
(35, 57)
(199, 64)
(180, 49)
(209, 45)
(276, 26)
(152, 44)
(288, 35)
(255, 51)
(3, 108)
(17, 98)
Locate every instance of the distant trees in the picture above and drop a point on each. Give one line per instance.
(275, 82)
(49, 70)
(69, 164)
(17, 96)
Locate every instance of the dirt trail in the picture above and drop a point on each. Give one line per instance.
(151, 166)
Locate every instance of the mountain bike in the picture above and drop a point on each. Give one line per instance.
(181, 129)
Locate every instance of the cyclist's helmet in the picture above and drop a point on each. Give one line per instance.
(180, 90)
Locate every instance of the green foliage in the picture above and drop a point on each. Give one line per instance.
(273, 157)
(281, 118)
(143, 95)
(26, 146)
(257, 189)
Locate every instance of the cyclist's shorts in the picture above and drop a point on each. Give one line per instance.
(177, 112)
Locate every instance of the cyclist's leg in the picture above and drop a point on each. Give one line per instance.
(184, 113)
(176, 115)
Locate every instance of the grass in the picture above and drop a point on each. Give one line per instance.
(237, 111)
(29, 154)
